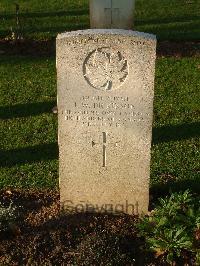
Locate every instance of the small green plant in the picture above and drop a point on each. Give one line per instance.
(7, 216)
(198, 257)
(171, 229)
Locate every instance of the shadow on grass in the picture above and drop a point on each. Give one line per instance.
(25, 110)
(58, 29)
(75, 24)
(190, 30)
(43, 152)
(166, 20)
(160, 134)
(51, 30)
(46, 152)
(85, 11)
(161, 190)
(175, 133)
(170, 28)
(75, 12)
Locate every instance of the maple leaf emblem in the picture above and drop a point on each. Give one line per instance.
(105, 69)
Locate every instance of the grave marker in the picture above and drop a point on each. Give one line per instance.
(105, 103)
(111, 14)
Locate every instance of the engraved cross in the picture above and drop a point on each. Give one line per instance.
(112, 14)
(104, 147)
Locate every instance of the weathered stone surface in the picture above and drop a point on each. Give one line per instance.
(112, 14)
(105, 103)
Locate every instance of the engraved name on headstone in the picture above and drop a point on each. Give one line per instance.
(111, 14)
(105, 103)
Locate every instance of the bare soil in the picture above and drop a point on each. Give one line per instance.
(41, 235)
(47, 48)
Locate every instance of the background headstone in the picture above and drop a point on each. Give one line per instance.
(111, 14)
(105, 103)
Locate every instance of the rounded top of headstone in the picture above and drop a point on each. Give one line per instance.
(125, 33)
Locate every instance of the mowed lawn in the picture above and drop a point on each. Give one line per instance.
(28, 128)
(169, 20)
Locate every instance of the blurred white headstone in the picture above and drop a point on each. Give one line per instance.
(111, 14)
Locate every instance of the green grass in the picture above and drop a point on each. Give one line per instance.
(28, 128)
(169, 20)
(175, 155)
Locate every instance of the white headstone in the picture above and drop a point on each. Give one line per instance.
(111, 14)
(105, 103)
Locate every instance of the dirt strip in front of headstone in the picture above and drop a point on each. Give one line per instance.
(47, 48)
